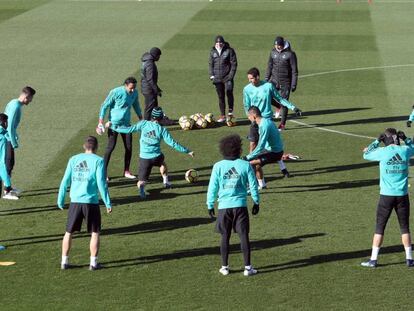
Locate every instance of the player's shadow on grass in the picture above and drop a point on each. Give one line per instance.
(327, 258)
(205, 251)
(154, 195)
(364, 121)
(330, 186)
(28, 210)
(332, 111)
(332, 169)
(146, 227)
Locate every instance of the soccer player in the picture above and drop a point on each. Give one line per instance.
(222, 69)
(410, 118)
(85, 175)
(269, 149)
(230, 180)
(8, 194)
(282, 71)
(150, 150)
(394, 163)
(14, 112)
(118, 105)
(260, 94)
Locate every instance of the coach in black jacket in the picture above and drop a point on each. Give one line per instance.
(282, 71)
(149, 80)
(222, 69)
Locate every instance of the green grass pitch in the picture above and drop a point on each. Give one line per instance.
(162, 254)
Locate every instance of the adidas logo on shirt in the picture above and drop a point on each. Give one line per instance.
(232, 173)
(395, 160)
(151, 135)
(82, 167)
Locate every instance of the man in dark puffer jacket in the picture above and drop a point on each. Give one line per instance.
(149, 80)
(282, 71)
(222, 69)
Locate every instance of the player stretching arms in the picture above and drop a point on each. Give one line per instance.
(85, 175)
(119, 103)
(260, 94)
(394, 162)
(269, 149)
(230, 180)
(149, 147)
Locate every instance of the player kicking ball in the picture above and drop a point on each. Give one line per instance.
(85, 175)
(230, 180)
(150, 155)
(8, 193)
(269, 148)
(394, 163)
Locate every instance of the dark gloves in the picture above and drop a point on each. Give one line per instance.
(409, 123)
(298, 112)
(293, 88)
(211, 213)
(255, 209)
(401, 135)
(381, 137)
(159, 92)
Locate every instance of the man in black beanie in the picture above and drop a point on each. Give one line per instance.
(282, 72)
(149, 80)
(222, 69)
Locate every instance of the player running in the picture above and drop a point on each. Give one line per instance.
(230, 180)
(118, 104)
(269, 149)
(8, 193)
(394, 163)
(14, 112)
(150, 150)
(260, 94)
(85, 175)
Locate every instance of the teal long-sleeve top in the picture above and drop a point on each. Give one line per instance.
(119, 103)
(152, 133)
(14, 114)
(411, 117)
(85, 174)
(393, 164)
(261, 97)
(4, 177)
(229, 182)
(269, 139)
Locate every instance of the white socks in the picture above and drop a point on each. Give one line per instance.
(65, 260)
(374, 254)
(247, 267)
(261, 182)
(408, 253)
(94, 261)
(281, 165)
(165, 179)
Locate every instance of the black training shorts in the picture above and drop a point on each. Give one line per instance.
(145, 166)
(386, 204)
(269, 157)
(233, 218)
(254, 133)
(79, 211)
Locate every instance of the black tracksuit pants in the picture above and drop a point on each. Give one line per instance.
(284, 91)
(151, 101)
(223, 89)
(9, 158)
(112, 138)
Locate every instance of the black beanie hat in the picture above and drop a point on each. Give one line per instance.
(219, 38)
(155, 52)
(279, 41)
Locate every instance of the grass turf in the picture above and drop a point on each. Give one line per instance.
(313, 230)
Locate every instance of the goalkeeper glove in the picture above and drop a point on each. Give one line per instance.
(100, 129)
(298, 112)
(381, 137)
(211, 213)
(401, 135)
(409, 123)
(255, 209)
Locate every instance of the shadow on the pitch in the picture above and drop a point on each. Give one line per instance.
(332, 111)
(197, 252)
(365, 121)
(28, 210)
(153, 195)
(147, 227)
(332, 169)
(326, 258)
(328, 186)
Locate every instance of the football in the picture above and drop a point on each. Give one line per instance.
(185, 123)
(209, 118)
(230, 121)
(191, 176)
(201, 123)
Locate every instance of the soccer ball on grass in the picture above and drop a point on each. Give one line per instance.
(191, 176)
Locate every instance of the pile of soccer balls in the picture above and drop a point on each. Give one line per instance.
(201, 121)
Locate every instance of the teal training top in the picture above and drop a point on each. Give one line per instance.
(85, 174)
(151, 135)
(411, 117)
(269, 139)
(261, 97)
(4, 177)
(393, 162)
(119, 103)
(14, 114)
(230, 181)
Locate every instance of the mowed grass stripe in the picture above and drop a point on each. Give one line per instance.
(10, 9)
